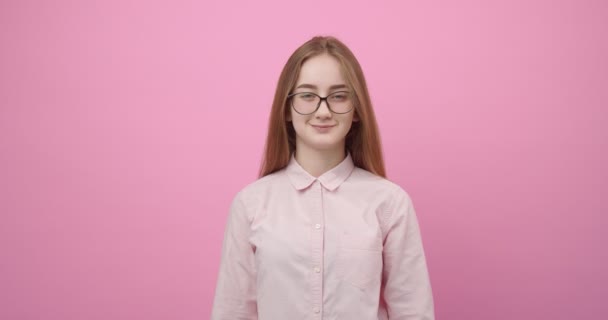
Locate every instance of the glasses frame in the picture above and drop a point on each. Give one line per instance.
(321, 99)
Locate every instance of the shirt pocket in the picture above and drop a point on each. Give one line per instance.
(360, 259)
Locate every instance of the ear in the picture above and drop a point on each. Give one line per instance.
(288, 117)
(356, 117)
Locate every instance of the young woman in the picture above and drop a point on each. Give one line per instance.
(322, 234)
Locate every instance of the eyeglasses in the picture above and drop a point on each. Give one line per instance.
(308, 102)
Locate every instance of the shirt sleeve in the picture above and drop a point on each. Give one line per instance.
(235, 293)
(405, 280)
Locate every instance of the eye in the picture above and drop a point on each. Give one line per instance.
(306, 96)
(340, 96)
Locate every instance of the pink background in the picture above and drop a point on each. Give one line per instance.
(126, 128)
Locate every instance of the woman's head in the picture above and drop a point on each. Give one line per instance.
(320, 67)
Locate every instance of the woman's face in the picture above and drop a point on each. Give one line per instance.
(322, 129)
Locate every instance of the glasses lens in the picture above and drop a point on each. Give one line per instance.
(340, 102)
(305, 102)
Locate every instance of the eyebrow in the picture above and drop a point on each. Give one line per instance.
(312, 86)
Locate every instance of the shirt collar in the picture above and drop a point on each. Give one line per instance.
(331, 179)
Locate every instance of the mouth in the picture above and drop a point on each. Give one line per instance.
(322, 128)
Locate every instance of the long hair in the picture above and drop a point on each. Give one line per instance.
(363, 139)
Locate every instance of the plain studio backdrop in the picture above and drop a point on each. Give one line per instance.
(126, 128)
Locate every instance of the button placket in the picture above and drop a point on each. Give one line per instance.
(317, 250)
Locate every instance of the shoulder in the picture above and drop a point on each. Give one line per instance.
(253, 193)
(247, 202)
(380, 185)
(394, 202)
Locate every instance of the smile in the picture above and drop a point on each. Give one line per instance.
(323, 128)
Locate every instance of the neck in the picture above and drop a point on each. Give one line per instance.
(317, 162)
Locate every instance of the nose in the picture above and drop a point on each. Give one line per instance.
(323, 111)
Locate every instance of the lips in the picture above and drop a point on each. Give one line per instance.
(323, 128)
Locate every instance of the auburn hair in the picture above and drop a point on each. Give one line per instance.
(363, 139)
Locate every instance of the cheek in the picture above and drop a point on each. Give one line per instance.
(347, 121)
(299, 123)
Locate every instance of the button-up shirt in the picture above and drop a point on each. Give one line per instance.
(345, 245)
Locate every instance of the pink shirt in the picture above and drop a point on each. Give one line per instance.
(345, 245)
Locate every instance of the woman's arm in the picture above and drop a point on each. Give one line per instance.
(235, 293)
(406, 284)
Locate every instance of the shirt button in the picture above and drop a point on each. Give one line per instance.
(317, 269)
(317, 226)
(316, 310)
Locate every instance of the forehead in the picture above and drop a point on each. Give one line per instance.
(322, 70)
